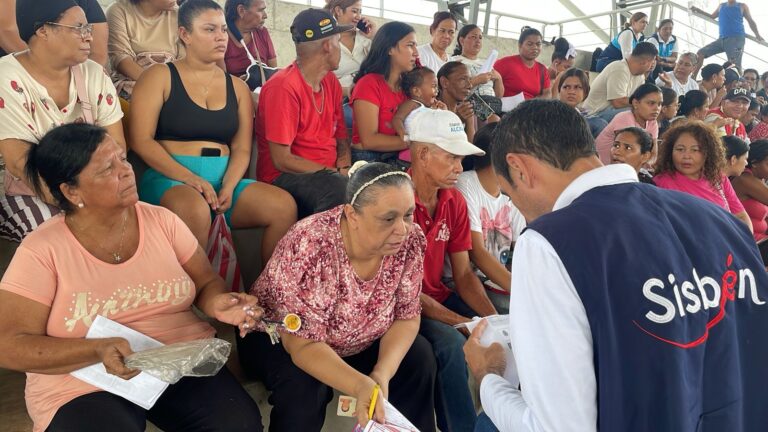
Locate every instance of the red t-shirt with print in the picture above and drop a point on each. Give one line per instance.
(517, 77)
(287, 115)
(447, 232)
(374, 89)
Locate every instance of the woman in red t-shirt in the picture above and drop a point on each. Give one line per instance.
(377, 93)
(521, 73)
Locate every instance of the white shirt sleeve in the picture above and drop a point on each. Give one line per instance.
(552, 344)
(468, 189)
(625, 42)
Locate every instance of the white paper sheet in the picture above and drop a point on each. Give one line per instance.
(489, 61)
(396, 422)
(143, 389)
(498, 332)
(510, 102)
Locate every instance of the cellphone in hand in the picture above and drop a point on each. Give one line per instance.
(363, 26)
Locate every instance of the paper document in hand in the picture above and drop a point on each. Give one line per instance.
(396, 422)
(489, 62)
(497, 332)
(143, 389)
(510, 102)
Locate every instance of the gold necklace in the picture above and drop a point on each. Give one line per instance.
(205, 88)
(322, 91)
(117, 256)
(322, 100)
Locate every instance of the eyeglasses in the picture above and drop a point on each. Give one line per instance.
(85, 30)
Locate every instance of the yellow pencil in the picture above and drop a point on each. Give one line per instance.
(374, 398)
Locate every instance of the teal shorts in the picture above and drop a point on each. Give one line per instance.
(153, 184)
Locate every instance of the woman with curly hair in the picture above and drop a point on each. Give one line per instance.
(692, 160)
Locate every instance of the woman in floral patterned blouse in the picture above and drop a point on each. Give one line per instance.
(353, 274)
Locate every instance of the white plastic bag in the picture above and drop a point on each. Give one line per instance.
(204, 357)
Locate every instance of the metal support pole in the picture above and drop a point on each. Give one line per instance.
(487, 18)
(474, 11)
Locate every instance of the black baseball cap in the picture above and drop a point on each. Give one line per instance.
(738, 93)
(315, 24)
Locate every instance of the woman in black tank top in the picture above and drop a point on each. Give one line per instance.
(192, 124)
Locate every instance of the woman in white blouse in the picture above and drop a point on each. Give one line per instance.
(354, 44)
(469, 43)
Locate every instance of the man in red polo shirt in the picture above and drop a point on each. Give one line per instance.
(302, 140)
(438, 144)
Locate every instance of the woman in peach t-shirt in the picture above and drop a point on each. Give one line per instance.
(131, 262)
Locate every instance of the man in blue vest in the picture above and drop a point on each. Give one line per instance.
(731, 16)
(633, 308)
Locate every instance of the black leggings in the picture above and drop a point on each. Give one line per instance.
(217, 403)
(299, 400)
(314, 192)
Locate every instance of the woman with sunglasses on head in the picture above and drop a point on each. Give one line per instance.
(51, 83)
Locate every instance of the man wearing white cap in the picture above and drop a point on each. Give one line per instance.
(438, 144)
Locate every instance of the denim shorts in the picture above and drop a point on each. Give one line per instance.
(212, 169)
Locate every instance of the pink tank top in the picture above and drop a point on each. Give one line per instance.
(757, 212)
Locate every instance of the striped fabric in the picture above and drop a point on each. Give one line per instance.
(21, 214)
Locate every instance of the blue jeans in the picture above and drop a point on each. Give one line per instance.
(609, 113)
(732, 46)
(373, 156)
(347, 108)
(453, 399)
(596, 125)
(484, 424)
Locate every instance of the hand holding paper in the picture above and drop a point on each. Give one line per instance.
(143, 389)
(370, 402)
(489, 348)
(481, 359)
(488, 65)
(396, 422)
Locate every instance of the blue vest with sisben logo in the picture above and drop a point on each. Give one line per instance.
(665, 48)
(613, 50)
(675, 293)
